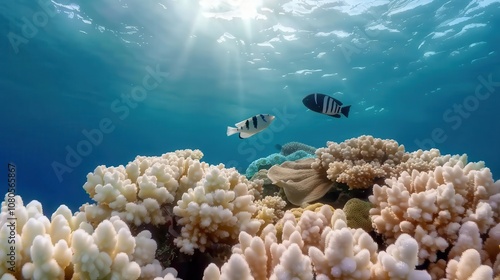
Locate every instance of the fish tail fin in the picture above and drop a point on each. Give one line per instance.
(231, 130)
(345, 110)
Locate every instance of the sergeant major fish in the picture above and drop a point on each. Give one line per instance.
(326, 105)
(251, 126)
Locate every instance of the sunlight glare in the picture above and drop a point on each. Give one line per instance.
(245, 9)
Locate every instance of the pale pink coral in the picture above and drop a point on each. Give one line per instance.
(357, 162)
(334, 251)
(433, 205)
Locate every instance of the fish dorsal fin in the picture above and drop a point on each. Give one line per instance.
(337, 101)
(240, 124)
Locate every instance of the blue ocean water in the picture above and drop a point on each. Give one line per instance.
(85, 83)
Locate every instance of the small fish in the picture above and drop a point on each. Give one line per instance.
(326, 105)
(251, 126)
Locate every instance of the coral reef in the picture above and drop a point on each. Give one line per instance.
(358, 163)
(137, 191)
(270, 210)
(217, 209)
(196, 204)
(435, 206)
(400, 215)
(67, 246)
(268, 188)
(318, 246)
(210, 202)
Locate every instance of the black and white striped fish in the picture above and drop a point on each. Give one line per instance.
(326, 105)
(251, 126)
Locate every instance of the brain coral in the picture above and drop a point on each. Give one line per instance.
(292, 147)
(357, 214)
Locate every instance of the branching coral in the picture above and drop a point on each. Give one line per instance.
(421, 160)
(432, 206)
(318, 246)
(468, 267)
(67, 246)
(136, 192)
(216, 210)
(213, 203)
(270, 210)
(358, 161)
(399, 260)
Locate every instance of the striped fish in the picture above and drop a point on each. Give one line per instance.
(251, 126)
(326, 105)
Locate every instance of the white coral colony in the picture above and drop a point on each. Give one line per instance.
(431, 210)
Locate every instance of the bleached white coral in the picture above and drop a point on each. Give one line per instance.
(468, 267)
(468, 238)
(432, 206)
(136, 192)
(293, 265)
(399, 261)
(44, 258)
(341, 253)
(236, 268)
(213, 203)
(358, 162)
(345, 255)
(169, 274)
(217, 209)
(68, 246)
(104, 252)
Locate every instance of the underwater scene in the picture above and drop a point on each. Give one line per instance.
(250, 139)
